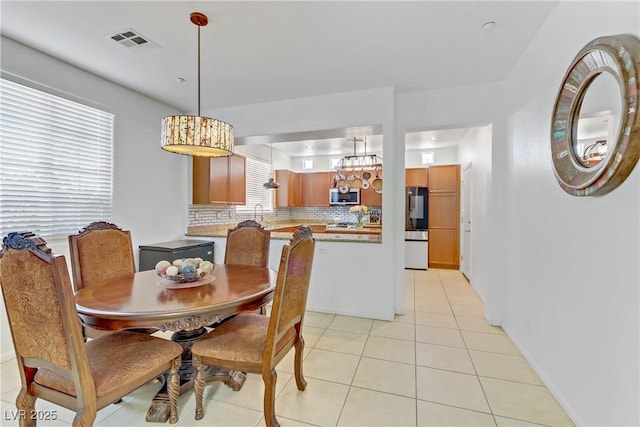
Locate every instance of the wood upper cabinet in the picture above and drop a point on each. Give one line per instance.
(219, 180)
(282, 193)
(302, 189)
(444, 216)
(314, 188)
(444, 178)
(369, 197)
(416, 177)
(237, 180)
(288, 194)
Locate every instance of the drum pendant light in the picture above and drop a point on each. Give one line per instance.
(195, 135)
(271, 184)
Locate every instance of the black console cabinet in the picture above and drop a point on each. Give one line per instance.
(170, 251)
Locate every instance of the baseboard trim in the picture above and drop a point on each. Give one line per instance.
(7, 356)
(568, 409)
(375, 316)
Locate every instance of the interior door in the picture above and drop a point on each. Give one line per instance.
(465, 220)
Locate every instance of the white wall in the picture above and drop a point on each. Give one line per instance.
(441, 156)
(572, 279)
(320, 163)
(337, 296)
(475, 151)
(150, 184)
(277, 159)
(413, 158)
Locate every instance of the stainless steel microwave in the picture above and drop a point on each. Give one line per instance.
(351, 197)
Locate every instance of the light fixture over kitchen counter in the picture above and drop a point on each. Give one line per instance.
(358, 161)
(271, 184)
(349, 164)
(195, 135)
(348, 168)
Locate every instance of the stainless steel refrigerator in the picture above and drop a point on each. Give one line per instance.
(416, 237)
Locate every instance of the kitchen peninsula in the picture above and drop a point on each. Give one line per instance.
(342, 272)
(284, 231)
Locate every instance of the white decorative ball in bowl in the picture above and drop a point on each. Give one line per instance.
(184, 270)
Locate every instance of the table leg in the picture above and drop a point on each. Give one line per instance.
(160, 407)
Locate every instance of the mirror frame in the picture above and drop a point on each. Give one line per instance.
(618, 55)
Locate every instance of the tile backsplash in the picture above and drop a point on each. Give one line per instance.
(213, 214)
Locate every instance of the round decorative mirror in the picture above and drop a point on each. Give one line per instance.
(598, 121)
(595, 127)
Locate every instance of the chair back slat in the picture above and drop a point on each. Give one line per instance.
(292, 287)
(101, 252)
(248, 244)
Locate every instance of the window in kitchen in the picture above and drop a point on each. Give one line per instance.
(307, 164)
(427, 158)
(257, 173)
(56, 162)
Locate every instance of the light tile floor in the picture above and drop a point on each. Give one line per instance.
(439, 364)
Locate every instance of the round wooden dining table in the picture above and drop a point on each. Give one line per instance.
(145, 300)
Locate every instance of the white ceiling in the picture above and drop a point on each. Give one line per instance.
(263, 51)
(321, 146)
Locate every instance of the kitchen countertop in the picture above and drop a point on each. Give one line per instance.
(369, 234)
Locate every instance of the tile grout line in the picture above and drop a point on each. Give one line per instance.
(354, 373)
(484, 393)
(415, 346)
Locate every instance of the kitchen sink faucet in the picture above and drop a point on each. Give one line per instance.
(255, 209)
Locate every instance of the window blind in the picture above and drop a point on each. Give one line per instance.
(56, 162)
(257, 173)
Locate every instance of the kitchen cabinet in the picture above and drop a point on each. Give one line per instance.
(416, 177)
(314, 188)
(444, 249)
(370, 198)
(302, 189)
(444, 178)
(288, 194)
(442, 210)
(219, 180)
(444, 216)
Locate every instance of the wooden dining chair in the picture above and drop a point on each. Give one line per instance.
(55, 363)
(101, 251)
(248, 243)
(255, 343)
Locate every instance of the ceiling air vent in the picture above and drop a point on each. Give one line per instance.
(133, 40)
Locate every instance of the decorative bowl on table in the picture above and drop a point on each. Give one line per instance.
(184, 270)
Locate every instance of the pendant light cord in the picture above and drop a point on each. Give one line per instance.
(271, 158)
(198, 70)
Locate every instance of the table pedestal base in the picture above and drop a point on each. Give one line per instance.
(160, 407)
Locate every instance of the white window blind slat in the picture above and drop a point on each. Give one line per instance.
(257, 172)
(56, 162)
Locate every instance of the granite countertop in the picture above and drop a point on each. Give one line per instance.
(365, 235)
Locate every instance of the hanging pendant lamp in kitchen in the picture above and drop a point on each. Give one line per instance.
(347, 165)
(271, 184)
(195, 135)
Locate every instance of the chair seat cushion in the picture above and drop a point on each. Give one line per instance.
(115, 359)
(241, 339)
